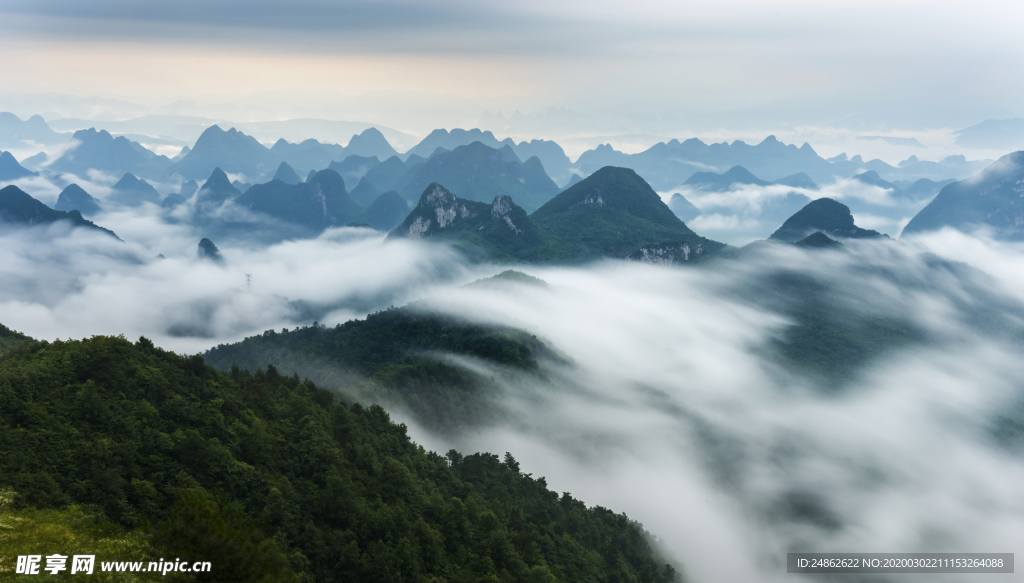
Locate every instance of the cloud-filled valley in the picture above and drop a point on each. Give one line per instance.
(680, 396)
(614, 292)
(746, 363)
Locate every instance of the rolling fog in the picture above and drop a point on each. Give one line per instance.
(744, 213)
(674, 406)
(675, 413)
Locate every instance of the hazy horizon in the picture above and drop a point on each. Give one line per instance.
(580, 74)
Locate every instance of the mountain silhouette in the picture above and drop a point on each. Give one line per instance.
(15, 133)
(723, 182)
(74, 198)
(208, 251)
(98, 150)
(286, 174)
(353, 168)
(478, 172)
(10, 169)
(386, 212)
(993, 198)
(318, 204)
(826, 215)
(19, 208)
(370, 144)
(683, 208)
(230, 150)
(798, 180)
(132, 191)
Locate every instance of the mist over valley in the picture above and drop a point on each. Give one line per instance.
(538, 293)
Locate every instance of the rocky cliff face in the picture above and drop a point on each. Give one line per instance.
(500, 230)
(503, 211)
(437, 210)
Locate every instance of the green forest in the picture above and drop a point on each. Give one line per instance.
(109, 446)
(391, 357)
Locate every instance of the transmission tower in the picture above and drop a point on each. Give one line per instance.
(248, 282)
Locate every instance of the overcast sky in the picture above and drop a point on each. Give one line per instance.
(634, 65)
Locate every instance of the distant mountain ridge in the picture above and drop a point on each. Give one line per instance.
(993, 134)
(666, 165)
(478, 172)
(556, 163)
(724, 181)
(10, 169)
(98, 150)
(16, 133)
(319, 203)
(237, 153)
(993, 198)
(610, 214)
(18, 207)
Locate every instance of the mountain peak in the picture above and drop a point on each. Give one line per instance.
(91, 134)
(798, 180)
(436, 196)
(724, 181)
(286, 174)
(207, 250)
(18, 207)
(74, 198)
(215, 190)
(871, 177)
(128, 182)
(10, 169)
(826, 215)
(370, 142)
(613, 188)
(217, 177)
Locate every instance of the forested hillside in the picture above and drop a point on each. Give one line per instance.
(393, 357)
(272, 478)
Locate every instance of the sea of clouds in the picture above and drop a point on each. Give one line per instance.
(671, 403)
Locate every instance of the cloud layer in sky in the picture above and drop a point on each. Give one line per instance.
(901, 64)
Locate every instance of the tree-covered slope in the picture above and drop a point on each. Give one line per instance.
(393, 356)
(274, 479)
(10, 339)
(611, 213)
(823, 215)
